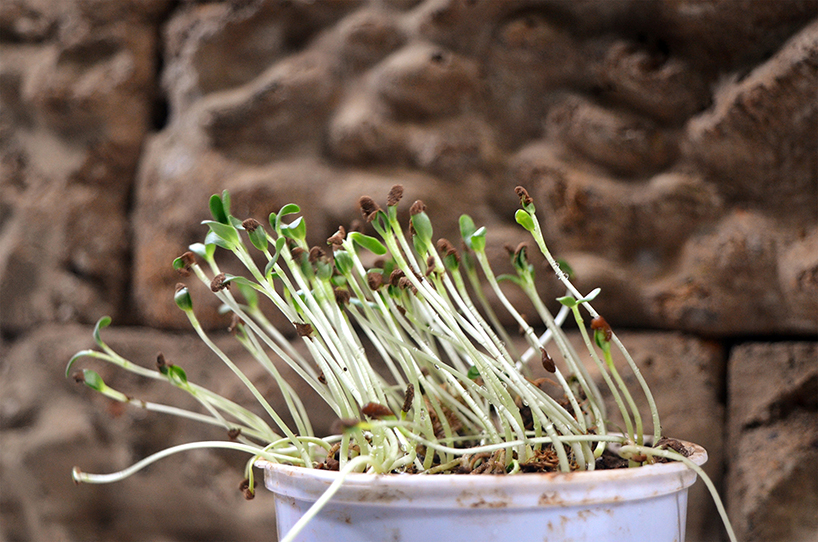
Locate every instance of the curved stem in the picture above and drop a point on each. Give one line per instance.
(87, 478)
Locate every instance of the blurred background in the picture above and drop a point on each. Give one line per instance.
(671, 148)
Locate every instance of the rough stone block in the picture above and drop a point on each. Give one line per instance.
(760, 134)
(772, 482)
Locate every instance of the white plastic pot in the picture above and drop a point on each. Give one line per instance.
(645, 503)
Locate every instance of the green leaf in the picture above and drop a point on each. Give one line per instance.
(93, 380)
(591, 296)
(477, 241)
(467, 228)
(568, 300)
(178, 263)
(524, 219)
(226, 202)
(367, 242)
(259, 238)
(451, 262)
(204, 251)
(296, 230)
(213, 240)
(421, 246)
(473, 373)
(520, 262)
(249, 293)
(280, 242)
(177, 375)
(238, 280)
(268, 270)
(235, 222)
(343, 262)
(355, 302)
(323, 269)
(422, 226)
(599, 339)
(217, 209)
(75, 357)
(289, 209)
(182, 299)
(226, 232)
(101, 324)
(388, 267)
(510, 278)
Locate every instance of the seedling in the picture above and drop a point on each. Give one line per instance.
(458, 396)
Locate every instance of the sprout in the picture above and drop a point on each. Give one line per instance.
(454, 377)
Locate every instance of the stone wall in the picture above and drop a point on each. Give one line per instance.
(671, 148)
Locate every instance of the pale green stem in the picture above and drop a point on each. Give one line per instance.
(246, 381)
(538, 237)
(87, 478)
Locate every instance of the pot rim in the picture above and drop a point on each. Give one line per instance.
(488, 491)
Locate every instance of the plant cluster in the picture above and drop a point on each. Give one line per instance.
(458, 396)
